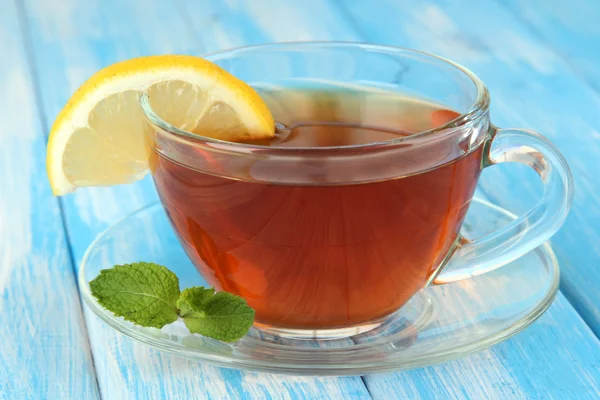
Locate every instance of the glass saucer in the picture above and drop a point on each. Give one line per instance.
(439, 323)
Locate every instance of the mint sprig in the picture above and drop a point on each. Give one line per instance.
(147, 294)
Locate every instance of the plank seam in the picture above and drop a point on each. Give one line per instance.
(350, 18)
(363, 379)
(35, 84)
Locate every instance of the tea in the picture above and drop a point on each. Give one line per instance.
(319, 256)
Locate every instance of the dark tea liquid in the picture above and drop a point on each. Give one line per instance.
(323, 256)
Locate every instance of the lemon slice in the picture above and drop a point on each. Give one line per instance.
(98, 138)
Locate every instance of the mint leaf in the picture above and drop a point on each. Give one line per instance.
(222, 316)
(193, 298)
(143, 293)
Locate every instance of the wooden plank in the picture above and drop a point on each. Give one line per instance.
(44, 349)
(70, 43)
(569, 27)
(546, 361)
(530, 87)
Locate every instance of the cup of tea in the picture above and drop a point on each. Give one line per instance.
(357, 203)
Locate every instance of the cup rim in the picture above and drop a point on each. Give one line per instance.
(479, 106)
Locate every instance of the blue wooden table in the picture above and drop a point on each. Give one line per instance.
(540, 59)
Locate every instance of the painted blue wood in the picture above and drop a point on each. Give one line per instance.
(44, 350)
(531, 87)
(568, 27)
(70, 43)
(236, 23)
(546, 361)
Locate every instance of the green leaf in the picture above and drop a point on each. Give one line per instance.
(193, 298)
(222, 316)
(143, 293)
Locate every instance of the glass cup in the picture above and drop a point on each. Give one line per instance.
(330, 241)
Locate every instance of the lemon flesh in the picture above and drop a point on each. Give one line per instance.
(98, 137)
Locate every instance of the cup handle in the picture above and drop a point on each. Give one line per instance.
(472, 258)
